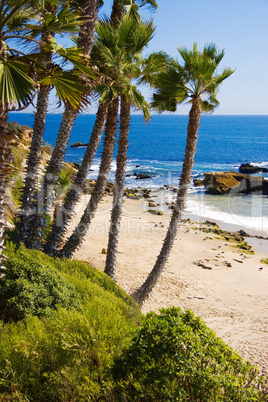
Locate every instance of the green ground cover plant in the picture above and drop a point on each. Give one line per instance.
(176, 357)
(64, 355)
(98, 346)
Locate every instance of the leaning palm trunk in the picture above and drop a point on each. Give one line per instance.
(4, 159)
(76, 238)
(194, 119)
(117, 12)
(65, 213)
(121, 161)
(89, 10)
(28, 208)
(46, 192)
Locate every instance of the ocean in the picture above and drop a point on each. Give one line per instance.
(157, 149)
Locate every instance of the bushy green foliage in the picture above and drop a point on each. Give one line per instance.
(66, 355)
(176, 357)
(30, 287)
(15, 129)
(95, 351)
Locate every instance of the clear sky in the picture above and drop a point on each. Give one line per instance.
(238, 26)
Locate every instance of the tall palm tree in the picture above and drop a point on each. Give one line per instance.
(65, 212)
(128, 67)
(88, 11)
(196, 81)
(16, 89)
(55, 18)
(120, 50)
(75, 240)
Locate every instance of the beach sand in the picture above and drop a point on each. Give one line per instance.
(230, 295)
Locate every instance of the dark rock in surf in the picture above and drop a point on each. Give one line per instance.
(251, 169)
(142, 176)
(78, 145)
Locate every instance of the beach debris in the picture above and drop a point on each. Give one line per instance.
(228, 264)
(201, 264)
(104, 251)
(260, 268)
(196, 297)
(241, 262)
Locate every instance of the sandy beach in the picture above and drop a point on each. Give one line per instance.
(229, 292)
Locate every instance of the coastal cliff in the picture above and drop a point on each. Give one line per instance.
(233, 182)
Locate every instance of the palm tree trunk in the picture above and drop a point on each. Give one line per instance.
(192, 134)
(117, 12)
(50, 178)
(24, 226)
(65, 212)
(4, 159)
(76, 238)
(121, 161)
(89, 11)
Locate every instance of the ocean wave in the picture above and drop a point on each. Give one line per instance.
(201, 209)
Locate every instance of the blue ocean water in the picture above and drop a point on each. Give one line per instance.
(157, 148)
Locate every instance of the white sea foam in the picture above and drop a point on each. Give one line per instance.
(201, 209)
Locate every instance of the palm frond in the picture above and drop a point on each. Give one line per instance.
(162, 103)
(67, 88)
(138, 100)
(15, 85)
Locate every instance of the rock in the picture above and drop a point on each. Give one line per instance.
(78, 145)
(233, 182)
(198, 183)
(251, 169)
(201, 264)
(76, 165)
(243, 233)
(142, 176)
(152, 204)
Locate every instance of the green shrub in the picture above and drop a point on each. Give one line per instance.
(30, 287)
(66, 354)
(176, 357)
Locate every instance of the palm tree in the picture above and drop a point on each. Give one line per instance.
(75, 240)
(107, 94)
(55, 18)
(196, 81)
(88, 11)
(16, 89)
(64, 212)
(128, 67)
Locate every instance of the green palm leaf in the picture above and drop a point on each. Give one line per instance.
(15, 85)
(139, 101)
(67, 89)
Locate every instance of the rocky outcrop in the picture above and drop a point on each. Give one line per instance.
(233, 182)
(142, 176)
(78, 145)
(251, 169)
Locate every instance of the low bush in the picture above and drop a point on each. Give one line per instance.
(176, 357)
(31, 288)
(65, 355)
(88, 345)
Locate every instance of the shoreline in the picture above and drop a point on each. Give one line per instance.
(229, 292)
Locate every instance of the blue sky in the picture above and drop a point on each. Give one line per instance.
(238, 26)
